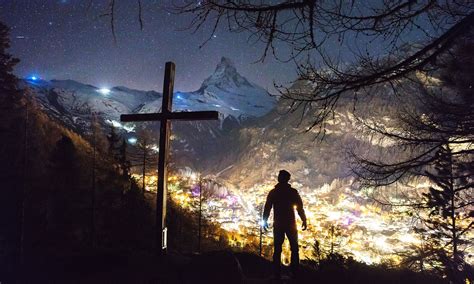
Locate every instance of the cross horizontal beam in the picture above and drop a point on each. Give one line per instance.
(195, 115)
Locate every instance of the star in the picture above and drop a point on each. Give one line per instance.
(71, 44)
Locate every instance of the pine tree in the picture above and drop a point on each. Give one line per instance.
(122, 159)
(434, 136)
(449, 220)
(114, 139)
(13, 168)
(64, 171)
(97, 146)
(144, 155)
(8, 81)
(117, 150)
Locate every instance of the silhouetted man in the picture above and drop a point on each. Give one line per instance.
(284, 199)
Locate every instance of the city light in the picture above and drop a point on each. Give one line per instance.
(336, 214)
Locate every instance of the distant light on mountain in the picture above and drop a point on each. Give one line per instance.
(104, 91)
(236, 99)
(33, 78)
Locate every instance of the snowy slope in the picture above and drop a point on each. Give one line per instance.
(72, 98)
(236, 92)
(74, 103)
(225, 91)
(236, 99)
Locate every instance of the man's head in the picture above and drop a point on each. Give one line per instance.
(284, 176)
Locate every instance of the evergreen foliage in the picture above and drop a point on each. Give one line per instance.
(8, 81)
(450, 216)
(435, 134)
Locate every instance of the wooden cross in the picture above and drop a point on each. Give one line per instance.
(165, 118)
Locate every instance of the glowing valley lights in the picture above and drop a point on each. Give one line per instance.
(336, 213)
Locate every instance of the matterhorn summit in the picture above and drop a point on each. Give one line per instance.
(236, 95)
(225, 91)
(226, 76)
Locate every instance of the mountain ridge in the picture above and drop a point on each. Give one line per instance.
(76, 105)
(225, 91)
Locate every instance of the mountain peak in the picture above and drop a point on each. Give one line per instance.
(225, 63)
(225, 76)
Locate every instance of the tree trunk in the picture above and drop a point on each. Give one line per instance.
(143, 171)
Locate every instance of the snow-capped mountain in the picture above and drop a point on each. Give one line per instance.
(225, 91)
(69, 97)
(244, 150)
(235, 91)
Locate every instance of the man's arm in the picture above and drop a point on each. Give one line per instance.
(300, 209)
(267, 207)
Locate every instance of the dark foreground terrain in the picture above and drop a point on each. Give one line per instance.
(214, 267)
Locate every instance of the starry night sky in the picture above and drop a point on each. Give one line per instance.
(67, 39)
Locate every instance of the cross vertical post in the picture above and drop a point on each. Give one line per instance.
(165, 118)
(166, 108)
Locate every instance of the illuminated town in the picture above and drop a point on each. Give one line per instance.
(340, 218)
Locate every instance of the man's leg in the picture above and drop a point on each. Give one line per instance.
(278, 238)
(292, 235)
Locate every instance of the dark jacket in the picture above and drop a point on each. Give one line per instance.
(284, 199)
